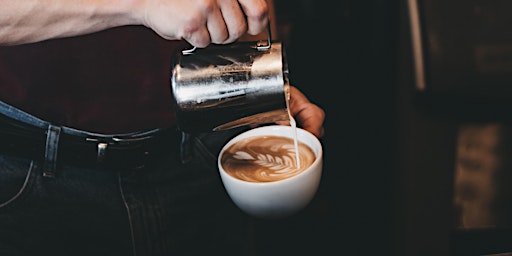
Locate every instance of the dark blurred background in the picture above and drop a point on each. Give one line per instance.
(393, 154)
(343, 55)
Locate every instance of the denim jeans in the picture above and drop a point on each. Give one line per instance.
(168, 207)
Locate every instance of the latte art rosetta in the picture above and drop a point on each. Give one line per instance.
(265, 158)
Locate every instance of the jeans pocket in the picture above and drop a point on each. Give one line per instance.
(16, 178)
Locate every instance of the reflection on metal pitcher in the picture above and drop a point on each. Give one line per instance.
(227, 86)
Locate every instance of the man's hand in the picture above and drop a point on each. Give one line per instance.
(201, 22)
(307, 115)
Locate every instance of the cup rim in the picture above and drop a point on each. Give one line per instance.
(249, 134)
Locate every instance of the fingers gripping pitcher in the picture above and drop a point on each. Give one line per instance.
(226, 86)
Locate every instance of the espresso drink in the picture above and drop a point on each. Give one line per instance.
(266, 158)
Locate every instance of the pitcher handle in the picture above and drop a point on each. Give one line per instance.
(258, 47)
(269, 40)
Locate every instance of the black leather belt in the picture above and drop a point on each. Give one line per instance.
(103, 152)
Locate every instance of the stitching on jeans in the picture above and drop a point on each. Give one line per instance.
(22, 189)
(130, 220)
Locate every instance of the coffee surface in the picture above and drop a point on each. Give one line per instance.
(266, 158)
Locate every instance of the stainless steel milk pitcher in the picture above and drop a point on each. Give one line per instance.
(226, 86)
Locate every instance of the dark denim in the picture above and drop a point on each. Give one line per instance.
(166, 208)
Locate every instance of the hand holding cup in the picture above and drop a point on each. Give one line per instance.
(259, 170)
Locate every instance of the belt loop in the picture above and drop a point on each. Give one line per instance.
(185, 148)
(51, 150)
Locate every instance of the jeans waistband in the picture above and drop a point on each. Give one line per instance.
(25, 135)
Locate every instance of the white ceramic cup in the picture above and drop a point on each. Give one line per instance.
(275, 199)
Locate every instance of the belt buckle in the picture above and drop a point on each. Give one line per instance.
(104, 143)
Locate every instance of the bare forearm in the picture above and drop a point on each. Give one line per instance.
(25, 21)
(200, 22)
